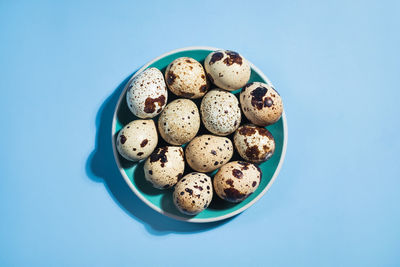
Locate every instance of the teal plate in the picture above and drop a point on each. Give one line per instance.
(161, 200)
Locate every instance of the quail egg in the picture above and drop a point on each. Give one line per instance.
(261, 103)
(186, 78)
(254, 144)
(179, 122)
(137, 140)
(206, 153)
(165, 166)
(227, 69)
(147, 94)
(193, 193)
(220, 112)
(236, 180)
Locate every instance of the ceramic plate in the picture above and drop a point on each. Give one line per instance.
(161, 200)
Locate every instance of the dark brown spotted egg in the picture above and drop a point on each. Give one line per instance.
(220, 112)
(206, 153)
(186, 78)
(227, 69)
(254, 144)
(147, 94)
(261, 103)
(137, 140)
(164, 167)
(193, 193)
(179, 122)
(235, 181)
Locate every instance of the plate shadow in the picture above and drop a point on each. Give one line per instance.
(101, 167)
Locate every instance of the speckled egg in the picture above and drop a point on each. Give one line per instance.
(186, 78)
(227, 69)
(137, 140)
(254, 144)
(206, 153)
(147, 94)
(193, 193)
(261, 103)
(165, 166)
(179, 122)
(237, 180)
(220, 112)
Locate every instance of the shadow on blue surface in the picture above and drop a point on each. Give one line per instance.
(101, 167)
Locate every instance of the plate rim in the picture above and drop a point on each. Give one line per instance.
(156, 208)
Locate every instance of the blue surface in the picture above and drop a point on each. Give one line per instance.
(336, 201)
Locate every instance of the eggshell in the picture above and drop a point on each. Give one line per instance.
(165, 166)
(261, 103)
(193, 193)
(236, 180)
(179, 122)
(254, 144)
(137, 140)
(208, 152)
(227, 69)
(220, 112)
(147, 94)
(186, 78)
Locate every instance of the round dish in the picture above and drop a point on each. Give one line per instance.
(161, 200)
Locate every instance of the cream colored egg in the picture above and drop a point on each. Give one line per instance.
(235, 181)
(137, 140)
(179, 122)
(220, 112)
(206, 153)
(261, 103)
(227, 69)
(193, 193)
(254, 144)
(165, 166)
(147, 94)
(186, 78)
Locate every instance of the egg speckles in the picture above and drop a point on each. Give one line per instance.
(227, 69)
(208, 152)
(254, 144)
(220, 112)
(261, 103)
(165, 166)
(193, 193)
(179, 122)
(147, 94)
(197, 112)
(236, 180)
(186, 78)
(137, 140)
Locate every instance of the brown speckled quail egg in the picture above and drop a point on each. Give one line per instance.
(227, 69)
(193, 193)
(186, 78)
(237, 180)
(165, 166)
(206, 153)
(147, 94)
(220, 112)
(179, 122)
(254, 144)
(137, 140)
(261, 103)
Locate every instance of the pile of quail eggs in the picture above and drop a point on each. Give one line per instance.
(179, 122)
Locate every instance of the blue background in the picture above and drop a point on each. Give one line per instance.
(336, 200)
